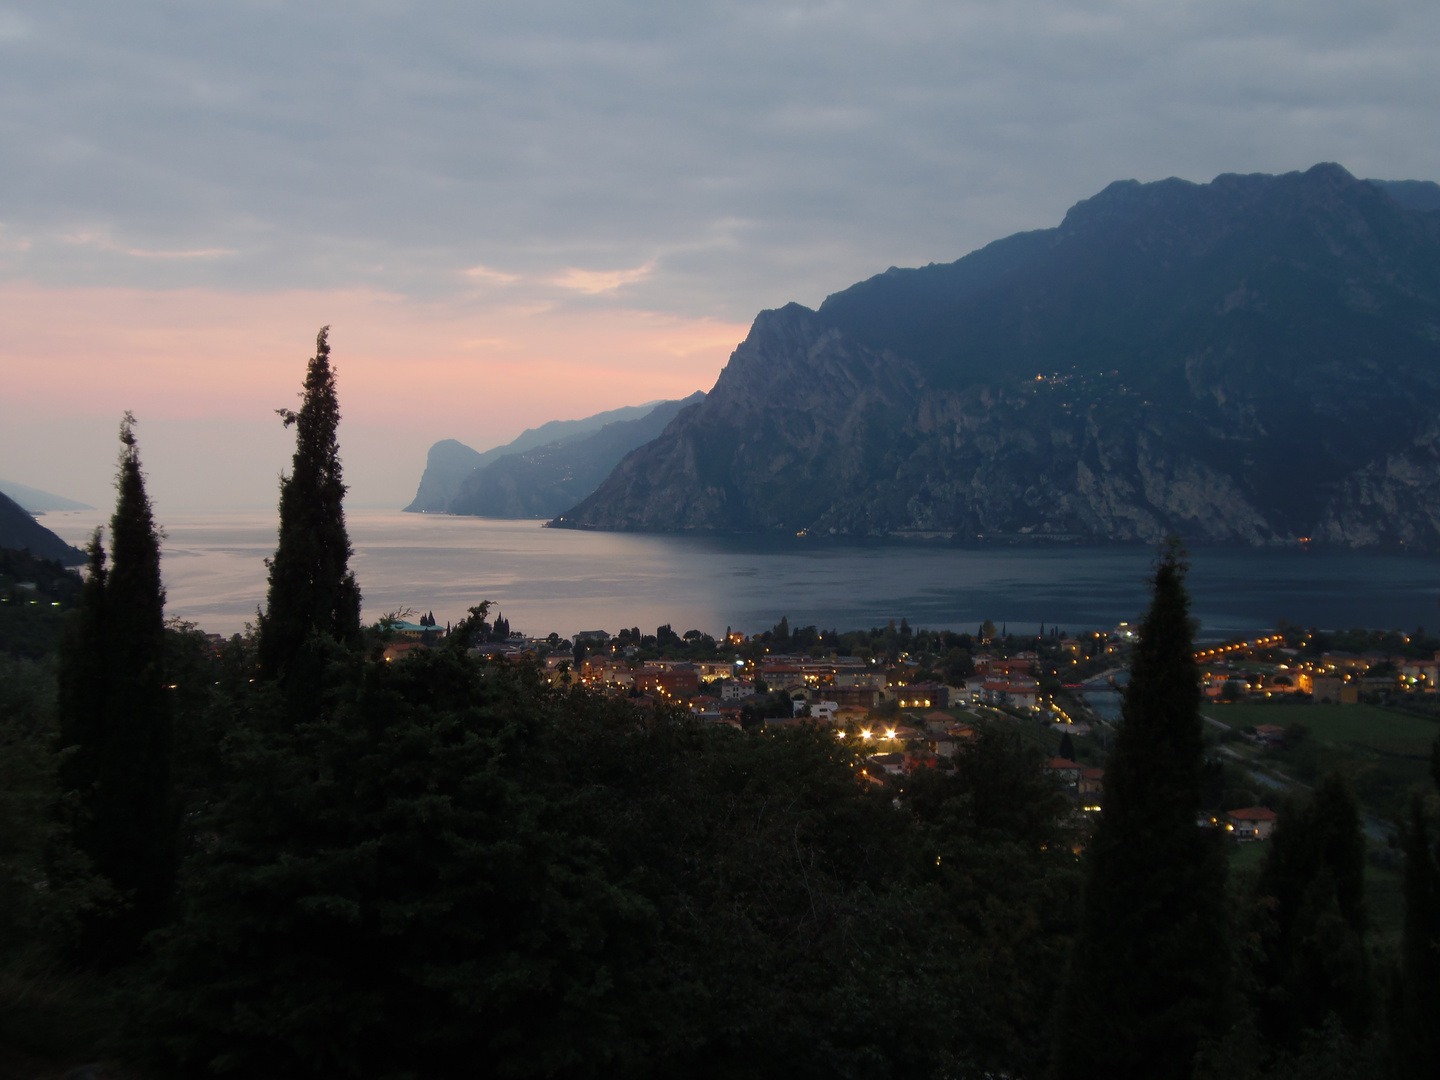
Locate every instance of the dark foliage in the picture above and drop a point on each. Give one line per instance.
(35, 595)
(115, 723)
(458, 864)
(1310, 921)
(1149, 975)
(1415, 995)
(312, 593)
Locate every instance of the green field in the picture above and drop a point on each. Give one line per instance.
(1384, 752)
(1386, 730)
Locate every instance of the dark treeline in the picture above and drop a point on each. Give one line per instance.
(287, 857)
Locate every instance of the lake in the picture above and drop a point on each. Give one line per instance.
(556, 579)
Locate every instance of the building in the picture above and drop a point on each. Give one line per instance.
(927, 695)
(1067, 771)
(823, 712)
(1019, 695)
(1253, 822)
(679, 680)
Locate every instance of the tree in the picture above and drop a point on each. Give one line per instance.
(1067, 747)
(1149, 972)
(312, 591)
(1415, 997)
(115, 722)
(1311, 920)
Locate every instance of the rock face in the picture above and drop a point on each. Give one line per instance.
(1251, 361)
(450, 461)
(544, 481)
(21, 532)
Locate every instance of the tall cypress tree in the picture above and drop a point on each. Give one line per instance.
(1311, 919)
(115, 716)
(1415, 1001)
(1149, 976)
(313, 594)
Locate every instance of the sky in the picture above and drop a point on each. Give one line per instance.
(513, 213)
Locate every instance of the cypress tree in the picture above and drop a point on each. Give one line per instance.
(1415, 1001)
(1311, 919)
(115, 720)
(312, 591)
(1149, 972)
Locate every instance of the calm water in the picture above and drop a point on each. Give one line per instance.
(553, 579)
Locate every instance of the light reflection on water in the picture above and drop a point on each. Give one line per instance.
(555, 579)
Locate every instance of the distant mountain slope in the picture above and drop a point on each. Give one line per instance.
(21, 532)
(1254, 360)
(450, 461)
(37, 501)
(542, 482)
(1412, 194)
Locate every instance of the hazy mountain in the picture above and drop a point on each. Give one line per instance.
(1251, 360)
(542, 482)
(1412, 194)
(450, 462)
(37, 501)
(21, 532)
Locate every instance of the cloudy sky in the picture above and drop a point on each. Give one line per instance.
(511, 213)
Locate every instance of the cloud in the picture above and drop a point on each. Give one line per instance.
(104, 243)
(189, 191)
(490, 276)
(329, 145)
(592, 282)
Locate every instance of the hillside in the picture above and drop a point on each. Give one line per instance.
(1252, 360)
(21, 532)
(450, 461)
(36, 501)
(543, 482)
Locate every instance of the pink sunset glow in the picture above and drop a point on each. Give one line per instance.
(411, 372)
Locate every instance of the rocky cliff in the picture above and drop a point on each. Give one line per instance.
(543, 481)
(1253, 361)
(450, 462)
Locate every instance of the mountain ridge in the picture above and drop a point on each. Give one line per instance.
(543, 481)
(450, 461)
(1245, 361)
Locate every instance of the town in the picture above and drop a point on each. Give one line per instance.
(911, 698)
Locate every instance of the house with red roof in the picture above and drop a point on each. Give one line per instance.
(1067, 770)
(1253, 822)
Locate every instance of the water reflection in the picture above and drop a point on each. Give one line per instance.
(552, 579)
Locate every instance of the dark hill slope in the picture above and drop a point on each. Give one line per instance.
(21, 532)
(544, 481)
(1251, 360)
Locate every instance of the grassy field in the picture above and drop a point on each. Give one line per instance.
(1384, 898)
(1386, 730)
(1384, 752)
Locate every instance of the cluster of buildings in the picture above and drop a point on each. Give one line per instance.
(1338, 678)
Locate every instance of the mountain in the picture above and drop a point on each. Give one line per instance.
(37, 501)
(542, 482)
(21, 532)
(450, 462)
(1254, 360)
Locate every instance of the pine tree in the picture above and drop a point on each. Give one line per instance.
(1067, 747)
(1311, 920)
(115, 717)
(1415, 999)
(313, 594)
(1149, 974)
